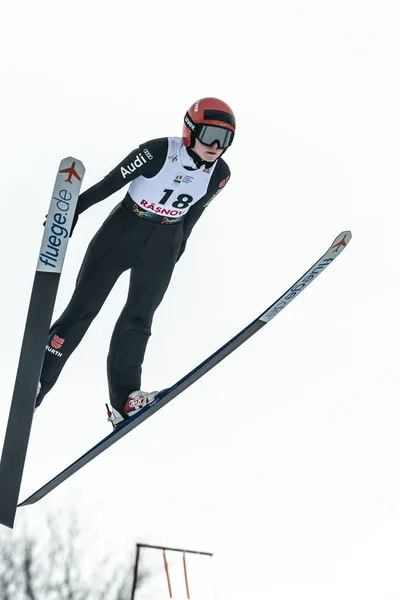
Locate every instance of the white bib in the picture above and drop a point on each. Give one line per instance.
(174, 189)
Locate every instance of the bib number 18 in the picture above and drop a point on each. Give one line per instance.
(182, 201)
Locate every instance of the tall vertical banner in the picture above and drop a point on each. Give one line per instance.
(44, 291)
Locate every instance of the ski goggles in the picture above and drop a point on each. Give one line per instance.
(210, 134)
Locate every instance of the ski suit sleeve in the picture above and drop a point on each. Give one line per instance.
(219, 179)
(146, 160)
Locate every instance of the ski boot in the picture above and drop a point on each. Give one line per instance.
(138, 400)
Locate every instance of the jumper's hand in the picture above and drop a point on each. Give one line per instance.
(74, 222)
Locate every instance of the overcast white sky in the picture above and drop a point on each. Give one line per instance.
(284, 460)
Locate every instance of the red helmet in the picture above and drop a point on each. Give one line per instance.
(210, 120)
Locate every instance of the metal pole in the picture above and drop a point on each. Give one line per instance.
(167, 573)
(174, 549)
(186, 577)
(135, 572)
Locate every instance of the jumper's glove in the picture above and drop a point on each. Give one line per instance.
(74, 222)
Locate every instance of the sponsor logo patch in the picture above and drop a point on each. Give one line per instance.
(142, 213)
(178, 179)
(138, 162)
(211, 199)
(137, 403)
(189, 123)
(53, 351)
(169, 221)
(160, 210)
(224, 182)
(57, 342)
(148, 154)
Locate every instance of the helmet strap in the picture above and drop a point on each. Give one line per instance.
(199, 162)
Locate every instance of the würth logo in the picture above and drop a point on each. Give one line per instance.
(224, 182)
(57, 342)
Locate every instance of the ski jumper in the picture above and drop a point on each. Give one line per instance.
(146, 233)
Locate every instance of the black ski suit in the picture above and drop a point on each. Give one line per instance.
(144, 236)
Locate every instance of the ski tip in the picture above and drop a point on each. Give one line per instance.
(71, 163)
(341, 241)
